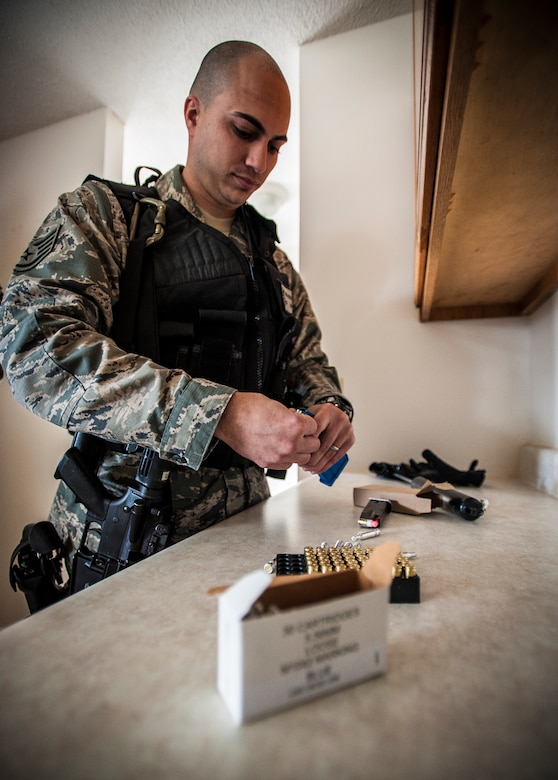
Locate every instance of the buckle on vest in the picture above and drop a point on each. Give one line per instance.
(160, 219)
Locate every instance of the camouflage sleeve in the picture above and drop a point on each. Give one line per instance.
(309, 375)
(58, 357)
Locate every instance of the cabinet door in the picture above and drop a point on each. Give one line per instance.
(486, 84)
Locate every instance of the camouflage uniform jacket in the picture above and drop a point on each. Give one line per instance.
(62, 365)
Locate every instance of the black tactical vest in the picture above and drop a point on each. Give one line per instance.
(221, 314)
(217, 314)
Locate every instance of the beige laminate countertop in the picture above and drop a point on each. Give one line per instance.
(119, 681)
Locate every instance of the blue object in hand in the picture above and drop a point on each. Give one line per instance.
(328, 477)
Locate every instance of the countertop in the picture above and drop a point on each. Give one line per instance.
(119, 681)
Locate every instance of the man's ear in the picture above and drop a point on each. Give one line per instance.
(191, 112)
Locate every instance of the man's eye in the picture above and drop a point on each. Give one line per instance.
(246, 135)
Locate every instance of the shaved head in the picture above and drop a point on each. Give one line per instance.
(237, 116)
(220, 64)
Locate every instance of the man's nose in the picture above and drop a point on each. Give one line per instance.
(257, 158)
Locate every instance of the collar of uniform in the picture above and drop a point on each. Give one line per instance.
(171, 185)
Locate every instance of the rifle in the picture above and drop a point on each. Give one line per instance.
(119, 530)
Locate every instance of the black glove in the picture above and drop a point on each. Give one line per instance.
(434, 469)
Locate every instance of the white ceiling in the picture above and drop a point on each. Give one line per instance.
(61, 58)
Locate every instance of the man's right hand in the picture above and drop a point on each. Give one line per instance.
(266, 432)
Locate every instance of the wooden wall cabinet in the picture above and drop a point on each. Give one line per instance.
(486, 114)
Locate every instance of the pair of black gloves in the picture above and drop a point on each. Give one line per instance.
(433, 469)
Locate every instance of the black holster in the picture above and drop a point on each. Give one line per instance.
(38, 566)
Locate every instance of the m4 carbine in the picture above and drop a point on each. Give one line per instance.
(119, 530)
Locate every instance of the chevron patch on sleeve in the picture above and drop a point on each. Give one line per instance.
(37, 250)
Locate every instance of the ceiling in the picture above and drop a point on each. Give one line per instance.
(61, 58)
(138, 58)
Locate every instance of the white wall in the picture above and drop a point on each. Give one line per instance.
(36, 168)
(462, 389)
(543, 332)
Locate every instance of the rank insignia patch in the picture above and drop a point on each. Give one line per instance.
(37, 250)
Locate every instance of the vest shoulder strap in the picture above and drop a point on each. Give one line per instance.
(132, 332)
(128, 195)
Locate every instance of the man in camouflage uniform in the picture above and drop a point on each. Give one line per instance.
(57, 316)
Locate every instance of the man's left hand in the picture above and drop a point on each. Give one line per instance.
(336, 435)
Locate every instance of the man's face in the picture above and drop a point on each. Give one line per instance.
(234, 142)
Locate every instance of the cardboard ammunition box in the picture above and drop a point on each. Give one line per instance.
(285, 640)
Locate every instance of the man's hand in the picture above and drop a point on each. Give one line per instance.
(268, 433)
(334, 431)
